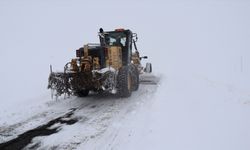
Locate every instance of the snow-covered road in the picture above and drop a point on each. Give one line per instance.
(100, 119)
(194, 112)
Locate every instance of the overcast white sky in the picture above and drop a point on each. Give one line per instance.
(206, 38)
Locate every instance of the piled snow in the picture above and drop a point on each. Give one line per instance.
(200, 114)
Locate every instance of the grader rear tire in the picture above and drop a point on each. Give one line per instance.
(124, 82)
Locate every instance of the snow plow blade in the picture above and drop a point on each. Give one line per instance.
(148, 78)
(59, 83)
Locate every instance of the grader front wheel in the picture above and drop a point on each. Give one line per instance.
(135, 78)
(124, 82)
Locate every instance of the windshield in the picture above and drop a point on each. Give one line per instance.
(115, 39)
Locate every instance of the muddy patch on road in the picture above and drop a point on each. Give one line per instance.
(51, 127)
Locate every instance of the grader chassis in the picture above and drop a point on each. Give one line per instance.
(112, 66)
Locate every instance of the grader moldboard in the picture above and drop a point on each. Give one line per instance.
(113, 66)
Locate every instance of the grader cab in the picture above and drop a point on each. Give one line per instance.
(112, 66)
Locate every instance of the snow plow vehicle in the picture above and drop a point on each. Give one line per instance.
(113, 66)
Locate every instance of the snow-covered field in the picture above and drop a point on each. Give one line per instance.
(200, 50)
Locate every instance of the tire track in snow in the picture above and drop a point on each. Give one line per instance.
(95, 114)
(24, 139)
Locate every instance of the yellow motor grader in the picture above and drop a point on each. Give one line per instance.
(112, 66)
